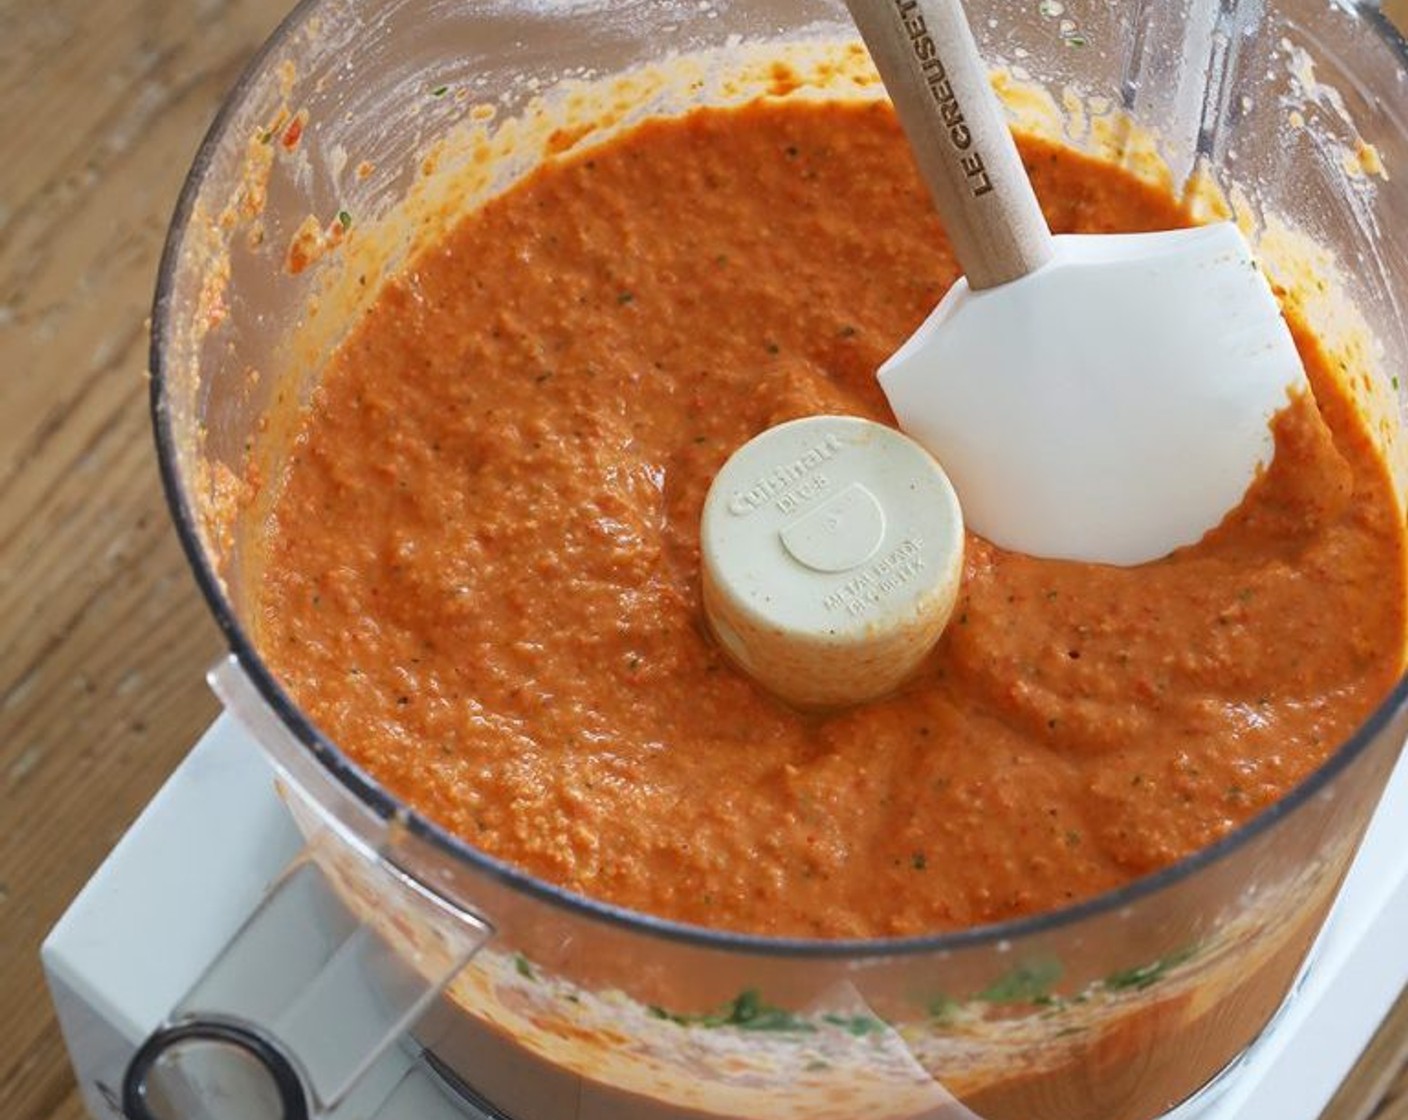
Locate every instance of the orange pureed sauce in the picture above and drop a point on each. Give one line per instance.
(483, 569)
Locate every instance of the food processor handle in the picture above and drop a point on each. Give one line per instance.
(338, 961)
(929, 61)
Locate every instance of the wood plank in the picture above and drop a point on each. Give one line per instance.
(104, 637)
(1397, 12)
(1377, 1087)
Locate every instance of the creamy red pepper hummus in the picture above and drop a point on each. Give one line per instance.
(483, 575)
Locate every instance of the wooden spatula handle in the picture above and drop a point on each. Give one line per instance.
(926, 55)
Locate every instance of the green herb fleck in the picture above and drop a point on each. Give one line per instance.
(746, 1011)
(345, 219)
(624, 298)
(858, 1025)
(1143, 976)
(439, 91)
(523, 967)
(943, 1009)
(1076, 41)
(750, 1013)
(919, 861)
(1027, 983)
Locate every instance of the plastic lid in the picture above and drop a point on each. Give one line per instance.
(832, 553)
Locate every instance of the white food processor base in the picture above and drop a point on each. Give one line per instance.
(201, 855)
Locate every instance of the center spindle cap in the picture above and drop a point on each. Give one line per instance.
(832, 552)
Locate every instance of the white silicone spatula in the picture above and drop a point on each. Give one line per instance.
(1104, 398)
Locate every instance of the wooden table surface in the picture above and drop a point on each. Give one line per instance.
(103, 638)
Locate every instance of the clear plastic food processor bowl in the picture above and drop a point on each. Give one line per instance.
(382, 117)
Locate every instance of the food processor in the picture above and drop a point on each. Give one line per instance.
(280, 937)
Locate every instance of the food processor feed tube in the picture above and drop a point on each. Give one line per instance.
(1120, 1007)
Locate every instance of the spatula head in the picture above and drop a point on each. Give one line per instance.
(1111, 406)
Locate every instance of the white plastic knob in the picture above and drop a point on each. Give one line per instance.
(832, 552)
